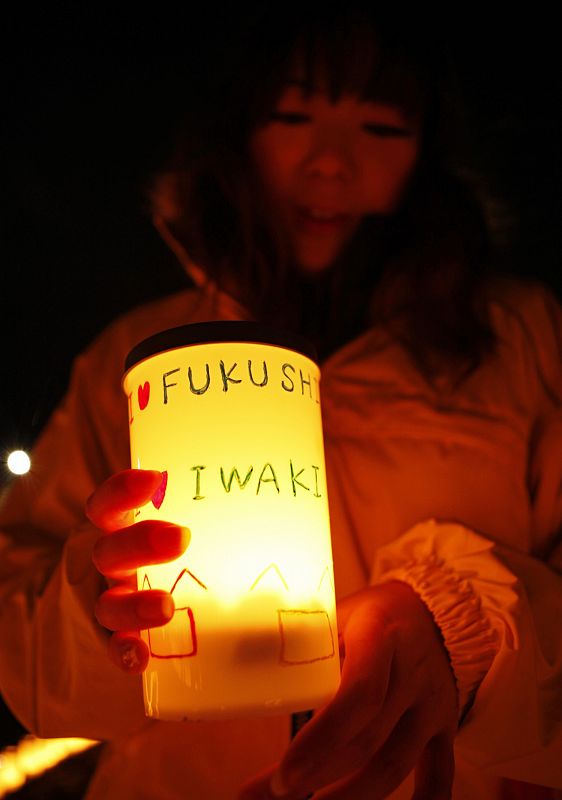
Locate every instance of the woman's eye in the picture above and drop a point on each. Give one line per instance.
(289, 117)
(387, 131)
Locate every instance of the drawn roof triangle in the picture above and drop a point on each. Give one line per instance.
(326, 578)
(186, 577)
(274, 576)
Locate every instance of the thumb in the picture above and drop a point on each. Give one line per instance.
(266, 786)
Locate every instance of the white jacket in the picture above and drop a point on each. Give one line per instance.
(458, 493)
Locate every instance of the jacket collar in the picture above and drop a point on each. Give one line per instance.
(224, 305)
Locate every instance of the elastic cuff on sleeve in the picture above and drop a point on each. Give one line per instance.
(468, 636)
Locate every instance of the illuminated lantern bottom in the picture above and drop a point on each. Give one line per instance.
(233, 422)
(234, 671)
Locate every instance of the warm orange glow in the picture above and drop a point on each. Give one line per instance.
(32, 757)
(236, 430)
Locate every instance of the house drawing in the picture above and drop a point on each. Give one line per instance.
(305, 635)
(178, 638)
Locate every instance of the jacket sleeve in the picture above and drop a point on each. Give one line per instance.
(500, 609)
(55, 674)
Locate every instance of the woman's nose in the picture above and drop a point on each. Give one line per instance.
(330, 158)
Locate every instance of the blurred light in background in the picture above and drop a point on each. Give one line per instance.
(18, 462)
(33, 756)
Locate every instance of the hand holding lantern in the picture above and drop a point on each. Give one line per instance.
(396, 709)
(119, 551)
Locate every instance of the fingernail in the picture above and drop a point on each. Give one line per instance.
(185, 537)
(176, 536)
(278, 788)
(152, 609)
(129, 657)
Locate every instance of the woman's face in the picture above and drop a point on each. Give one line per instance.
(324, 166)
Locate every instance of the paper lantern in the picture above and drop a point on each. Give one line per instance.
(229, 412)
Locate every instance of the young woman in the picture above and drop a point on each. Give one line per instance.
(316, 192)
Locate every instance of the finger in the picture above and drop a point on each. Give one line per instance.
(435, 770)
(388, 768)
(148, 542)
(345, 608)
(352, 757)
(128, 652)
(258, 787)
(261, 788)
(345, 727)
(119, 609)
(109, 506)
(337, 764)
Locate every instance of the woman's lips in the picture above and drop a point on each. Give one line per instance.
(319, 221)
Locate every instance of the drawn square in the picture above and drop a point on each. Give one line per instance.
(176, 639)
(306, 636)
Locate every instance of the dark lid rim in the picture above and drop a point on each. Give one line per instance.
(218, 331)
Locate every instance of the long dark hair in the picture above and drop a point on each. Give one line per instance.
(418, 271)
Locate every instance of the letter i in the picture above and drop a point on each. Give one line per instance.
(198, 495)
(316, 492)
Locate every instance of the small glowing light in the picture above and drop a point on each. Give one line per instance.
(18, 462)
(32, 756)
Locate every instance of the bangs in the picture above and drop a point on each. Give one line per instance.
(353, 58)
(348, 52)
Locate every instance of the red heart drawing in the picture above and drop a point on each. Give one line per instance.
(160, 493)
(144, 395)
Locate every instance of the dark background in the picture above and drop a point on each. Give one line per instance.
(89, 107)
(91, 103)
